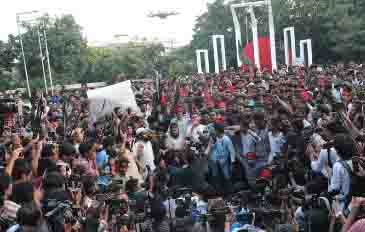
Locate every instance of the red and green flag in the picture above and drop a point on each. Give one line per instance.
(247, 54)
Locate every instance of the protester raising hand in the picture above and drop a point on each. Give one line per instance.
(36, 155)
(16, 154)
(356, 204)
(124, 229)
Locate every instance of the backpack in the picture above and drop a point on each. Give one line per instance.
(357, 185)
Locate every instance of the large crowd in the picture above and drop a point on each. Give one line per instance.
(234, 151)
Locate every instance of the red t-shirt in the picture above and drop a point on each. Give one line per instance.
(163, 99)
(184, 92)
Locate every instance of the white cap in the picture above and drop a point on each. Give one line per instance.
(141, 130)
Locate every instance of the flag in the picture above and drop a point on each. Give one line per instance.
(247, 54)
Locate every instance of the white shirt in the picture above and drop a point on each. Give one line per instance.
(145, 157)
(276, 143)
(341, 179)
(321, 165)
(175, 143)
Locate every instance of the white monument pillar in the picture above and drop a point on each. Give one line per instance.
(272, 36)
(292, 44)
(309, 51)
(296, 60)
(199, 62)
(223, 51)
(238, 35)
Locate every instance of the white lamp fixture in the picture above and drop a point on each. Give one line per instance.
(223, 51)
(250, 6)
(199, 62)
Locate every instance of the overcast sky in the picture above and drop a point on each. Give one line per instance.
(101, 20)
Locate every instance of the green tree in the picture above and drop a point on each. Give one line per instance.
(7, 56)
(217, 20)
(67, 49)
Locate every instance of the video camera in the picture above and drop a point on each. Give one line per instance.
(215, 213)
(74, 183)
(8, 105)
(195, 148)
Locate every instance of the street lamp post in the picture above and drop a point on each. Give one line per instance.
(41, 56)
(35, 18)
(23, 55)
(47, 55)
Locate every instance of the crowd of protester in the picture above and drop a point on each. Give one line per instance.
(234, 151)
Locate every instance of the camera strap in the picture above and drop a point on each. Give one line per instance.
(351, 174)
(330, 164)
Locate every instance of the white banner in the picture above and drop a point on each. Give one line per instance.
(104, 100)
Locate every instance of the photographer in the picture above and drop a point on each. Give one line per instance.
(322, 161)
(341, 179)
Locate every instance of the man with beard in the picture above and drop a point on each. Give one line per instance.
(195, 129)
(175, 140)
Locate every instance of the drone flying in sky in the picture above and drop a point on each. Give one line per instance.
(163, 14)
